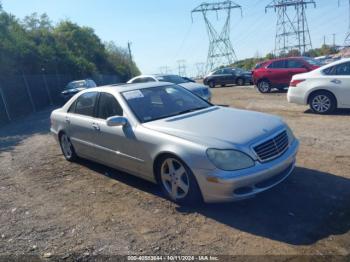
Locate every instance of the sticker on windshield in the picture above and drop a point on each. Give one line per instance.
(133, 94)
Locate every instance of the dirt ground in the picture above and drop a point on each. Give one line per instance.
(50, 207)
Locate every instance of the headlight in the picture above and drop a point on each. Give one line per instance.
(290, 134)
(229, 160)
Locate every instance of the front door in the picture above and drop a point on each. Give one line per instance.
(115, 146)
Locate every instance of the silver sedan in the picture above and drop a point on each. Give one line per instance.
(163, 133)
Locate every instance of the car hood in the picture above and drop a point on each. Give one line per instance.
(192, 86)
(220, 127)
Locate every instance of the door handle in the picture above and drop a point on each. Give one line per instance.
(67, 120)
(336, 81)
(96, 127)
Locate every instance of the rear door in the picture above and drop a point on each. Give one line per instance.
(79, 121)
(278, 74)
(229, 76)
(338, 78)
(295, 66)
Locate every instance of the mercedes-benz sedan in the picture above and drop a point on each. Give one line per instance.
(165, 134)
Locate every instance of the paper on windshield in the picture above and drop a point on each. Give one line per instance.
(133, 94)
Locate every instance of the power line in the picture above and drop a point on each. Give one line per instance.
(221, 51)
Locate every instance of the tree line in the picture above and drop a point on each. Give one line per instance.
(34, 45)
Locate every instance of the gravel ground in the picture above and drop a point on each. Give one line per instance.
(52, 208)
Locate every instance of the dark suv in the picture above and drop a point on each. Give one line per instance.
(226, 76)
(277, 73)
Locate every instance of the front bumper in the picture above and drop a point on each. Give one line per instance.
(226, 186)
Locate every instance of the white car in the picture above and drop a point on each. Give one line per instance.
(198, 89)
(324, 89)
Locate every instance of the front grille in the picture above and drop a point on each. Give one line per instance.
(272, 148)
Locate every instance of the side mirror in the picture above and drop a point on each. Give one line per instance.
(117, 121)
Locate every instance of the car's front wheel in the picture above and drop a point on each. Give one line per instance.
(264, 86)
(322, 103)
(67, 148)
(178, 182)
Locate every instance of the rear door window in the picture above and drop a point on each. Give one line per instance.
(341, 69)
(278, 64)
(295, 64)
(85, 104)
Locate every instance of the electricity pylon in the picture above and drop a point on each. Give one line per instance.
(292, 30)
(200, 70)
(347, 38)
(220, 51)
(182, 67)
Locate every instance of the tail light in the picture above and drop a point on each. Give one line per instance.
(294, 83)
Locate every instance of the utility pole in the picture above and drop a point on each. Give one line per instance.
(164, 70)
(182, 67)
(324, 40)
(130, 59)
(333, 40)
(129, 50)
(292, 30)
(221, 51)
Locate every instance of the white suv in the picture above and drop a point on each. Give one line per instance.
(324, 89)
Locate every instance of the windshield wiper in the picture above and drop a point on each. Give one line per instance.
(191, 110)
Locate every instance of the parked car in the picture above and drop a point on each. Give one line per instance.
(75, 87)
(166, 134)
(277, 73)
(324, 89)
(227, 76)
(196, 88)
(188, 79)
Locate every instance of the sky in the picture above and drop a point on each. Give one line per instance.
(162, 31)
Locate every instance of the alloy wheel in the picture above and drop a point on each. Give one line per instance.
(321, 103)
(175, 179)
(66, 146)
(264, 86)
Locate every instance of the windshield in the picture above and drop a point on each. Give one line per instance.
(313, 61)
(77, 84)
(154, 103)
(172, 79)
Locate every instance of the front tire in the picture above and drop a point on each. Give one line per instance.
(67, 148)
(264, 86)
(212, 84)
(240, 82)
(322, 103)
(178, 182)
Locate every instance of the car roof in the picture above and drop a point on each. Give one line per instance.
(127, 87)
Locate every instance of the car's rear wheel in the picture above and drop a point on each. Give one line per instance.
(322, 102)
(264, 86)
(67, 148)
(240, 82)
(212, 84)
(178, 182)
